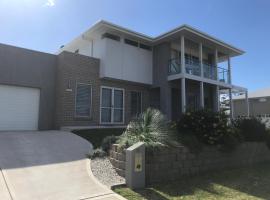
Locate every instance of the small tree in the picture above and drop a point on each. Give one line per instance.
(151, 127)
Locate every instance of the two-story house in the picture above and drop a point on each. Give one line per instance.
(110, 74)
(175, 71)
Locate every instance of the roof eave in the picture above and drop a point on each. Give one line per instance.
(155, 40)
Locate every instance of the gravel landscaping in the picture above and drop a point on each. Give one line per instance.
(105, 173)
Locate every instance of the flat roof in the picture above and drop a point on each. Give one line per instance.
(255, 94)
(154, 40)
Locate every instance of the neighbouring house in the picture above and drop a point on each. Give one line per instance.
(259, 104)
(110, 74)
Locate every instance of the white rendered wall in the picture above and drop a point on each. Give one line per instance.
(84, 46)
(126, 62)
(117, 59)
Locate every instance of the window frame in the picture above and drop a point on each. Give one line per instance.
(112, 107)
(145, 47)
(91, 101)
(131, 42)
(137, 91)
(111, 36)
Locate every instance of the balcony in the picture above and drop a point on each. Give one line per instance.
(174, 66)
(223, 75)
(209, 71)
(193, 67)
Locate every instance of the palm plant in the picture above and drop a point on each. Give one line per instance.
(151, 127)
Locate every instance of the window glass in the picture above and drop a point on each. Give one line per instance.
(111, 36)
(106, 115)
(118, 115)
(131, 42)
(146, 47)
(118, 98)
(106, 97)
(83, 100)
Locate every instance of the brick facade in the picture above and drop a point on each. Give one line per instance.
(165, 164)
(75, 68)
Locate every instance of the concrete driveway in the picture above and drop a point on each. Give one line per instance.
(47, 165)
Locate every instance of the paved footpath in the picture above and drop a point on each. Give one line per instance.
(48, 165)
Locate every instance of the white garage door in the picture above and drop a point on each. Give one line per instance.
(19, 108)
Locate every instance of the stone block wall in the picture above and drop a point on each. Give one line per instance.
(118, 159)
(169, 164)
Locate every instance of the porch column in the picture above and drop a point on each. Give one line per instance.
(216, 63)
(183, 62)
(247, 103)
(201, 58)
(229, 70)
(183, 94)
(217, 99)
(231, 103)
(201, 95)
(165, 100)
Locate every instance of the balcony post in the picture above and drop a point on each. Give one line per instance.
(183, 95)
(231, 103)
(247, 103)
(201, 95)
(183, 62)
(216, 63)
(201, 58)
(217, 99)
(229, 70)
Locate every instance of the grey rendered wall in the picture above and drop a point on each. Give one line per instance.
(161, 56)
(22, 67)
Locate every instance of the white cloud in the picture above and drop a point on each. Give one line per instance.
(50, 3)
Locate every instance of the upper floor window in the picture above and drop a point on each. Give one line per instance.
(83, 100)
(146, 47)
(131, 42)
(111, 36)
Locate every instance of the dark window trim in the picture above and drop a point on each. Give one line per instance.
(145, 47)
(91, 97)
(111, 36)
(131, 42)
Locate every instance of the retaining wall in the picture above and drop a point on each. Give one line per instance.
(168, 164)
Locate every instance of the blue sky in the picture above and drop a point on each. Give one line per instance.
(45, 25)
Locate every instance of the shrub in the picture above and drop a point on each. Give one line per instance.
(97, 153)
(191, 142)
(252, 129)
(108, 141)
(268, 138)
(150, 127)
(211, 128)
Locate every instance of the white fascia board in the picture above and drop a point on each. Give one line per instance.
(154, 40)
(167, 34)
(199, 33)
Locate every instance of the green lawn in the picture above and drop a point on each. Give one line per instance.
(95, 136)
(245, 184)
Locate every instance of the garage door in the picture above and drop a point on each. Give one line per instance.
(19, 108)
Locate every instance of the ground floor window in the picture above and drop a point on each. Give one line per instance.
(136, 103)
(83, 100)
(112, 105)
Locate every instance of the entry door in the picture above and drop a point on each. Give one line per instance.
(19, 108)
(112, 105)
